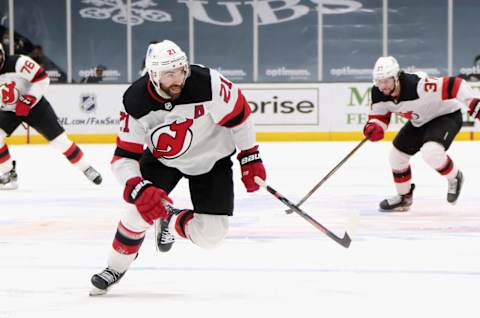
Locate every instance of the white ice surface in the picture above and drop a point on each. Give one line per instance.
(56, 230)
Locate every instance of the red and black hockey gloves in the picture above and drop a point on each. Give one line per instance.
(24, 105)
(251, 166)
(149, 200)
(373, 131)
(474, 108)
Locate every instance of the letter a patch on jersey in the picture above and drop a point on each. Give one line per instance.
(199, 111)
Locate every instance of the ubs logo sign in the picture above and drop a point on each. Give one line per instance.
(268, 11)
(117, 10)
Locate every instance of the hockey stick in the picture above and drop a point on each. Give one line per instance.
(27, 130)
(344, 241)
(318, 185)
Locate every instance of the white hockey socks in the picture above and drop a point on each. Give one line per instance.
(71, 151)
(435, 156)
(402, 174)
(5, 159)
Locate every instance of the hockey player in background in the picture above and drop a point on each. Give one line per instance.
(23, 83)
(433, 109)
(191, 120)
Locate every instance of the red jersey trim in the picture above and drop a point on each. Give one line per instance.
(130, 146)
(239, 114)
(153, 93)
(39, 76)
(450, 87)
(383, 118)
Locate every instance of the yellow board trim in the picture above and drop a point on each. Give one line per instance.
(340, 136)
(261, 136)
(81, 139)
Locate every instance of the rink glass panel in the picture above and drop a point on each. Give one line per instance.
(99, 38)
(288, 50)
(4, 23)
(352, 41)
(224, 39)
(418, 35)
(45, 27)
(167, 20)
(466, 45)
(223, 36)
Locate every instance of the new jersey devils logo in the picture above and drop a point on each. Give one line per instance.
(409, 115)
(9, 93)
(173, 140)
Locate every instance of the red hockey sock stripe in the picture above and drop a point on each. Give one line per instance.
(182, 219)
(4, 154)
(129, 233)
(402, 176)
(447, 167)
(74, 153)
(127, 242)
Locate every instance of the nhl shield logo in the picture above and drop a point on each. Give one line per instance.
(168, 106)
(88, 103)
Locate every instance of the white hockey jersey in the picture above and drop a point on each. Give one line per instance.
(209, 119)
(421, 99)
(19, 76)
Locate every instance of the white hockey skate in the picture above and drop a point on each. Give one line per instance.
(454, 188)
(9, 180)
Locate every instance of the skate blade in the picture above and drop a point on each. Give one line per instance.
(97, 291)
(401, 209)
(453, 202)
(9, 186)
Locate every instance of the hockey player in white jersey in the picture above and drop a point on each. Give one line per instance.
(23, 83)
(433, 109)
(191, 120)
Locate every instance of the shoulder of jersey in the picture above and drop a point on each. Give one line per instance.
(409, 83)
(198, 86)
(136, 99)
(10, 62)
(378, 96)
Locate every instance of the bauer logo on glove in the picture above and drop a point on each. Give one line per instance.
(250, 158)
(251, 166)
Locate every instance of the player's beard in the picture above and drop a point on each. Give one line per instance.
(173, 91)
(391, 91)
(388, 93)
